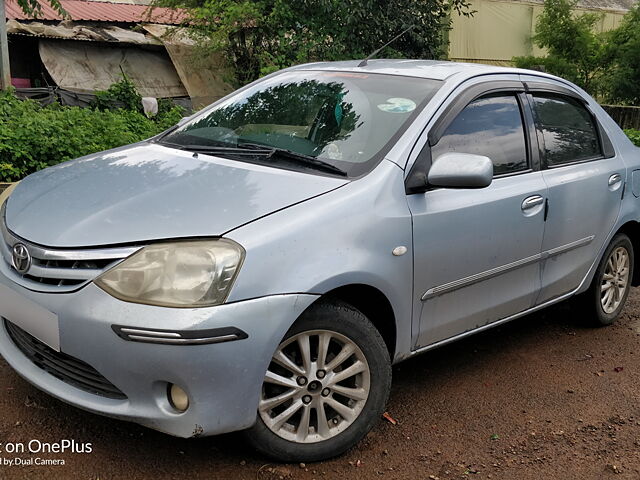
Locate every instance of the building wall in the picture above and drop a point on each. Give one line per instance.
(501, 30)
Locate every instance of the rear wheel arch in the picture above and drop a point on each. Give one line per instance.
(632, 230)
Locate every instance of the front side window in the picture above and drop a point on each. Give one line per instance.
(568, 130)
(343, 118)
(490, 126)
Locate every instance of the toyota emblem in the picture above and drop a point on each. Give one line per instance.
(21, 258)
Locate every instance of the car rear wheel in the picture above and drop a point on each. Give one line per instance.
(610, 287)
(325, 388)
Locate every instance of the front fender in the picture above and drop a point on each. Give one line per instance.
(343, 237)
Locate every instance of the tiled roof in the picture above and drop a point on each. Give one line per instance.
(99, 12)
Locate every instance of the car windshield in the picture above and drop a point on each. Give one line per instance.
(345, 119)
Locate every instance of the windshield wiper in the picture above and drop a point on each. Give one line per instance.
(299, 157)
(214, 149)
(258, 150)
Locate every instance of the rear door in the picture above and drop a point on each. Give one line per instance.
(586, 181)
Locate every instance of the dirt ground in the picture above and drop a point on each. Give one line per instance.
(540, 398)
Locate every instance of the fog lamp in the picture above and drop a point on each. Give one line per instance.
(178, 398)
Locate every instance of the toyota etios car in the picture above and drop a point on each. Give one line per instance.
(262, 265)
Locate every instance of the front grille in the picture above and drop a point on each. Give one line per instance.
(57, 270)
(62, 366)
(53, 272)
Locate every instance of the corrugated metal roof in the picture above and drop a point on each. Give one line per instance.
(103, 32)
(134, 2)
(99, 12)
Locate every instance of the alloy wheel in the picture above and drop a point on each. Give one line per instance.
(615, 280)
(316, 386)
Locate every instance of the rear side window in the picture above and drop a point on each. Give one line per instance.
(489, 126)
(568, 130)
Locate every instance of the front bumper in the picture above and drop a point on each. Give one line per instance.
(223, 380)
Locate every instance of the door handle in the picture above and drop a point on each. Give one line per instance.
(615, 181)
(615, 178)
(533, 201)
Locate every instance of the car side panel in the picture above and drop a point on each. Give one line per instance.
(583, 209)
(340, 238)
(630, 205)
(476, 255)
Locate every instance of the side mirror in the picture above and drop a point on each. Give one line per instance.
(461, 170)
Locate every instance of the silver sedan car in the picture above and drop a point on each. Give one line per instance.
(261, 266)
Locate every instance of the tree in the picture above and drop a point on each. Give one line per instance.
(34, 7)
(260, 36)
(575, 51)
(623, 79)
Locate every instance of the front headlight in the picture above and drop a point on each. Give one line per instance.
(180, 274)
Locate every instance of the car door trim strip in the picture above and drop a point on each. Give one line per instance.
(479, 277)
(487, 326)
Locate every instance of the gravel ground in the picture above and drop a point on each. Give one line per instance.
(540, 398)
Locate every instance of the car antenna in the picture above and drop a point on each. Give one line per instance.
(363, 63)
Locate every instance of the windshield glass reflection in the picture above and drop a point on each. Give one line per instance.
(346, 119)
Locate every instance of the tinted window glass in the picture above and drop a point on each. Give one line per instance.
(490, 126)
(344, 118)
(567, 128)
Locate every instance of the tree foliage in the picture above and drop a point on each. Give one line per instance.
(606, 64)
(33, 7)
(623, 78)
(634, 136)
(260, 36)
(575, 51)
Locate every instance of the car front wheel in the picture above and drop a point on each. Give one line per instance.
(325, 388)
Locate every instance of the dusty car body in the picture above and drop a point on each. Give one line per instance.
(498, 192)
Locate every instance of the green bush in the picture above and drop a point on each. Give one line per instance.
(33, 137)
(634, 135)
(123, 93)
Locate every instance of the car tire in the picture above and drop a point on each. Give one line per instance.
(348, 405)
(607, 295)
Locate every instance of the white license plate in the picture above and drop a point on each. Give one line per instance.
(31, 317)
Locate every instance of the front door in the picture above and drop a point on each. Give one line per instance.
(477, 252)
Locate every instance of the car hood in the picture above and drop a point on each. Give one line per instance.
(148, 192)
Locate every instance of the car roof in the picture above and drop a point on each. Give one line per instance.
(433, 69)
